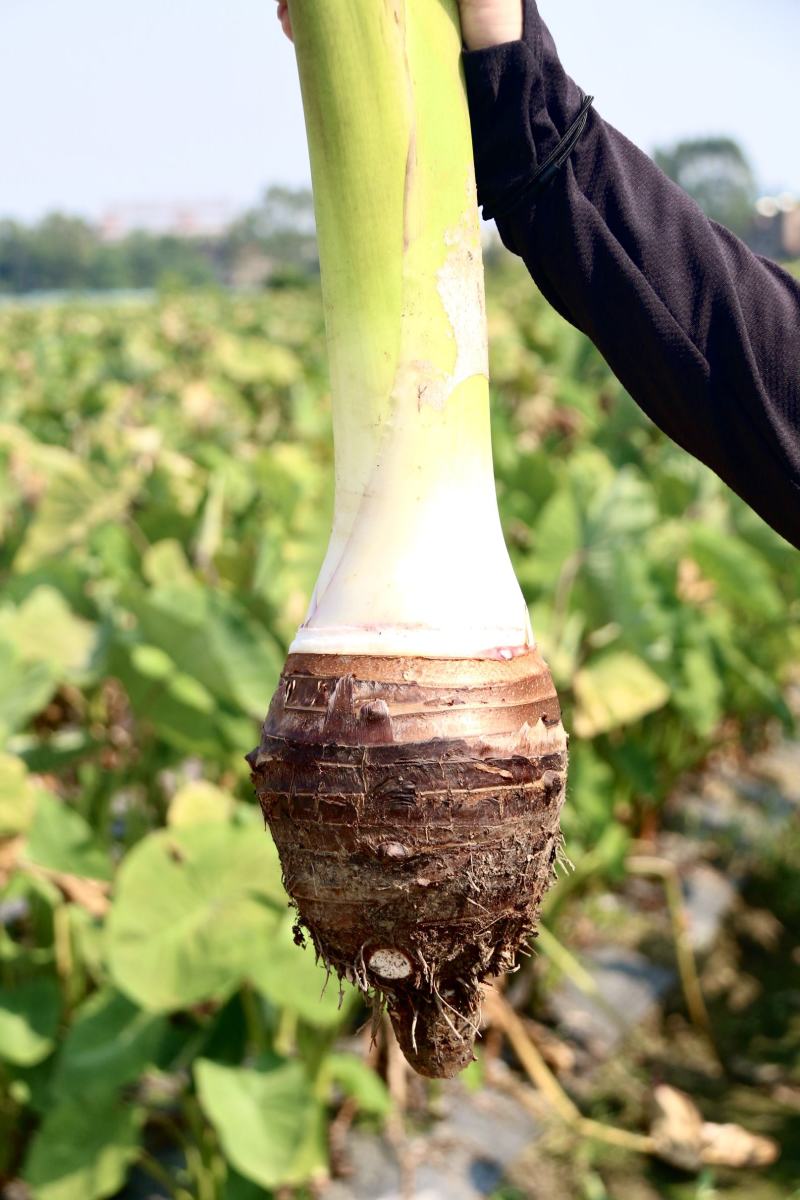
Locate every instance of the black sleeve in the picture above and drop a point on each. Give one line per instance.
(704, 334)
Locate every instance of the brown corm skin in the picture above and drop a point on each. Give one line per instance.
(415, 805)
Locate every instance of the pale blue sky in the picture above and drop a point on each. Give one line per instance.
(108, 101)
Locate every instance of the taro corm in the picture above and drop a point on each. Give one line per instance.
(413, 762)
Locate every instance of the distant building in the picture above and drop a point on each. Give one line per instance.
(190, 219)
(251, 269)
(776, 227)
(791, 232)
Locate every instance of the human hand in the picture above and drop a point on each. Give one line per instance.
(484, 23)
(283, 17)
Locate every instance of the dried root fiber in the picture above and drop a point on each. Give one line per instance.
(415, 805)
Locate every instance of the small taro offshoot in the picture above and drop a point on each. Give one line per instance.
(413, 762)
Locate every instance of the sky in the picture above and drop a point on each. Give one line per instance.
(109, 102)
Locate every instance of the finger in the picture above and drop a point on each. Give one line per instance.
(283, 17)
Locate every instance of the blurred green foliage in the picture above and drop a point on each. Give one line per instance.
(165, 499)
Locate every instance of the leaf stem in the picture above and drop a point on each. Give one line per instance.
(506, 1019)
(566, 962)
(662, 868)
(161, 1175)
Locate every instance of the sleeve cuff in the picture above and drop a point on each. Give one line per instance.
(520, 101)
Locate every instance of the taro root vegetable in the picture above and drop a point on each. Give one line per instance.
(412, 764)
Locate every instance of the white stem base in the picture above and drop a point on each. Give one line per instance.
(396, 641)
(417, 564)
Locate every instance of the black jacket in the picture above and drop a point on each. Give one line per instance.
(704, 334)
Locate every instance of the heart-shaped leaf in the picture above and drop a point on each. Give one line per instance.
(194, 908)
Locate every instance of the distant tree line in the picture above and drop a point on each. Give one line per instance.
(66, 253)
(716, 172)
(276, 240)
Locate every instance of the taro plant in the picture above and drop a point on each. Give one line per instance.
(165, 502)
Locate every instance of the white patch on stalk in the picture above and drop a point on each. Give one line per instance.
(459, 282)
(460, 288)
(389, 964)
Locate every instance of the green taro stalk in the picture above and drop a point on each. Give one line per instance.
(412, 763)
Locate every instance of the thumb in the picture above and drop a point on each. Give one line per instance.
(283, 17)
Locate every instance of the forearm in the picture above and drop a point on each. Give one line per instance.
(702, 333)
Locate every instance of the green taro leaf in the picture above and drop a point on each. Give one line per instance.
(165, 563)
(73, 505)
(174, 705)
(288, 975)
(700, 697)
(557, 535)
(29, 1016)
(358, 1080)
(194, 907)
(591, 794)
(152, 662)
(239, 1188)
(18, 796)
(212, 642)
(613, 690)
(25, 689)
(267, 1121)
(196, 803)
(82, 1151)
(252, 360)
(43, 629)
(109, 1043)
(60, 840)
(740, 574)
(88, 936)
